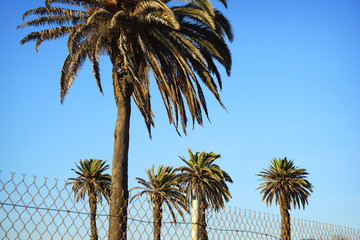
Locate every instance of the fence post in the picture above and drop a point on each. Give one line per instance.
(195, 220)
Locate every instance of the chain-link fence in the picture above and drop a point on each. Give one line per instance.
(32, 208)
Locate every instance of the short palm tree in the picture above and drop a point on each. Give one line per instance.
(163, 189)
(179, 43)
(205, 181)
(286, 184)
(94, 183)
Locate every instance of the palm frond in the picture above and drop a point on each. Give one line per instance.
(48, 34)
(223, 26)
(71, 67)
(60, 20)
(192, 13)
(55, 11)
(78, 3)
(157, 12)
(94, 58)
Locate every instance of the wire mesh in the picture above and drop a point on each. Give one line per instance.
(32, 208)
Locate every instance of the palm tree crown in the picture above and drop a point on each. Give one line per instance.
(163, 187)
(178, 44)
(285, 183)
(205, 181)
(91, 180)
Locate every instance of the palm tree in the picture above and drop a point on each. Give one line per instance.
(162, 188)
(179, 43)
(205, 181)
(286, 185)
(94, 183)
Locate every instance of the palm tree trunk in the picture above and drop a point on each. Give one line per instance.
(157, 212)
(202, 221)
(93, 203)
(119, 179)
(285, 223)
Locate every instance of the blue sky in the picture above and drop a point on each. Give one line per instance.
(293, 91)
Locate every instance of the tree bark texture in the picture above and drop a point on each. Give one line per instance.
(285, 223)
(202, 221)
(119, 179)
(93, 204)
(157, 216)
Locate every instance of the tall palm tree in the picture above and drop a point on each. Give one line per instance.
(94, 183)
(163, 189)
(179, 43)
(286, 184)
(205, 181)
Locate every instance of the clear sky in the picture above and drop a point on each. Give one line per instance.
(293, 91)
